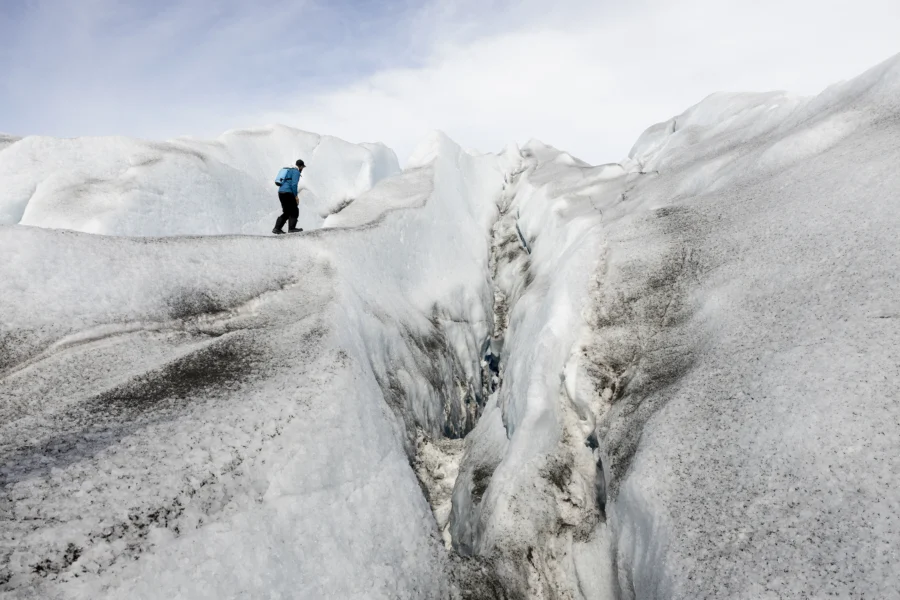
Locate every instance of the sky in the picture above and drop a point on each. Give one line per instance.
(586, 76)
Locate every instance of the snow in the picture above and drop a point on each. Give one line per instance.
(7, 140)
(695, 393)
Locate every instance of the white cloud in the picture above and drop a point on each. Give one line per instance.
(584, 75)
(589, 80)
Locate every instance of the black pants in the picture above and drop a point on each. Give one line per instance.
(289, 211)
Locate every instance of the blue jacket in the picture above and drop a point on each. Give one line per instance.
(290, 182)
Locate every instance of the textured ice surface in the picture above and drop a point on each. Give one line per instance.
(770, 466)
(700, 380)
(237, 416)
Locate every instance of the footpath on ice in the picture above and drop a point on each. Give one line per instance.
(485, 376)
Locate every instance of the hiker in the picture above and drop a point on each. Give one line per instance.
(287, 181)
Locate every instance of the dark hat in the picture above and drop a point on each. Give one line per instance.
(300, 163)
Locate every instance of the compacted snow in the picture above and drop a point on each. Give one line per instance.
(670, 377)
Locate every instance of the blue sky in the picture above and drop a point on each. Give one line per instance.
(76, 67)
(584, 75)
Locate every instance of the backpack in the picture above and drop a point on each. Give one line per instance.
(282, 175)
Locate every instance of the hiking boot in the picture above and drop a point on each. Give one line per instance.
(295, 230)
(277, 231)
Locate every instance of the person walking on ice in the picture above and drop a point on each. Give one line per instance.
(287, 181)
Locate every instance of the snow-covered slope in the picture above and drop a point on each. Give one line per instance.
(676, 376)
(122, 186)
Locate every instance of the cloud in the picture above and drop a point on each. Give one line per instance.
(172, 67)
(584, 75)
(590, 78)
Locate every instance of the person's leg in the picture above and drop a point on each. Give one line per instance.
(280, 221)
(293, 216)
(286, 201)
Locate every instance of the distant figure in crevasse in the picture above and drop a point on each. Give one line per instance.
(287, 180)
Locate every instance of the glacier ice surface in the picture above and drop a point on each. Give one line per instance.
(695, 397)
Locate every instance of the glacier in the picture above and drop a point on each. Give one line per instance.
(510, 375)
